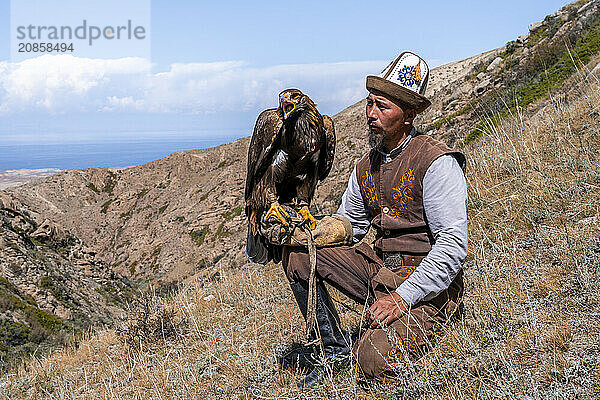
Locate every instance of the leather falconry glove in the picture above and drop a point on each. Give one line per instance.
(334, 230)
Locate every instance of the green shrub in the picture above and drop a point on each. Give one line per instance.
(13, 334)
(142, 193)
(444, 120)
(221, 231)
(541, 84)
(48, 321)
(126, 214)
(132, 267)
(205, 195)
(53, 287)
(94, 188)
(105, 206)
(110, 183)
(231, 214)
(199, 236)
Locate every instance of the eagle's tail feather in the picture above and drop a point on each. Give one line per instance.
(257, 249)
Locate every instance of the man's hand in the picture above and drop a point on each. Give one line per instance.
(386, 310)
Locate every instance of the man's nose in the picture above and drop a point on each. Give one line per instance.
(371, 113)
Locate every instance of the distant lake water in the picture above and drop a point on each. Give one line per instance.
(105, 154)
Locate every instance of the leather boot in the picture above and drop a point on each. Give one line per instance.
(335, 353)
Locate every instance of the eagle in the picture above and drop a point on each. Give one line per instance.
(291, 149)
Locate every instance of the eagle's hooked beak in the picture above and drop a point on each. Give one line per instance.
(287, 108)
(286, 104)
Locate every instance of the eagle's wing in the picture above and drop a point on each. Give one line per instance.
(262, 146)
(329, 152)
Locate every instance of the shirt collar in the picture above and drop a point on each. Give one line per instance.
(397, 150)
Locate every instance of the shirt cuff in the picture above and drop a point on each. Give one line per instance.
(409, 293)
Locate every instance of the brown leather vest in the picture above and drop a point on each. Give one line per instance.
(393, 194)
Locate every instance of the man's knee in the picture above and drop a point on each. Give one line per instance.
(296, 264)
(380, 352)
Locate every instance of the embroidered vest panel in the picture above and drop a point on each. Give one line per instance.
(393, 194)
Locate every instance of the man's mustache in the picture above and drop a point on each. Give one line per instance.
(374, 128)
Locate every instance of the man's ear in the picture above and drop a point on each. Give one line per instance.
(410, 115)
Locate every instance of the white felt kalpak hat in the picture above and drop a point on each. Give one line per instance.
(404, 79)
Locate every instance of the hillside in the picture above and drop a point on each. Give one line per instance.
(530, 328)
(525, 114)
(51, 284)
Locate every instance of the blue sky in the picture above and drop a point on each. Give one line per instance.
(213, 66)
(289, 32)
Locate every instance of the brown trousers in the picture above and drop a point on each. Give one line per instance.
(358, 272)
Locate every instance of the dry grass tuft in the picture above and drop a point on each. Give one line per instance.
(530, 330)
(150, 320)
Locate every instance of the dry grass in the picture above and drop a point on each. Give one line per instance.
(531, 328)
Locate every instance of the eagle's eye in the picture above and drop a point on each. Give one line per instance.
(295, 96)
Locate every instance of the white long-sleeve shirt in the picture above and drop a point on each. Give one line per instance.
(445, 205)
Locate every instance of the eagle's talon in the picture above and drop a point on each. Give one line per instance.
(279, 213)
(308, 218)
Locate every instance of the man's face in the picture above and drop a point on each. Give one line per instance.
(387, 121)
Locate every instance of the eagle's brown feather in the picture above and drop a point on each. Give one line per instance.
(292, 148)
(330, 153)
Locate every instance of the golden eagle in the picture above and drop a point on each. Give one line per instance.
(292, 148)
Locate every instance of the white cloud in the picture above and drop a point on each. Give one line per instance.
(63, 83)
(59, 84)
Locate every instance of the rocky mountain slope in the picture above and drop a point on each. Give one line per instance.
(182, 216)
(496, 84)
(51, 284)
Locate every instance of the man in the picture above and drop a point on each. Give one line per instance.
(411, 189)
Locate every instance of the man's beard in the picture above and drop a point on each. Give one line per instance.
(376, 139)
